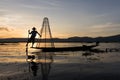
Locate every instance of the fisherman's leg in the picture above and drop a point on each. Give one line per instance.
(29, 40)
(32, 44)
(33, 41)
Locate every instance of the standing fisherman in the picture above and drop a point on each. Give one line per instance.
(33, 35)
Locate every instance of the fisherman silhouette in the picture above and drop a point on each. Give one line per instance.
(33, 35)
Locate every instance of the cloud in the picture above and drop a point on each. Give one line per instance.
(4, 29)
(40, 5)
(105, 27)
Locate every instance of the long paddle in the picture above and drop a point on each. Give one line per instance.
(27, 51)
(28, 39)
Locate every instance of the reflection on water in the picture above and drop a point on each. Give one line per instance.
(12, 52)
(39, 60)
(46, 66)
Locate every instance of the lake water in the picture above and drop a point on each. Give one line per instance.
(15, 65)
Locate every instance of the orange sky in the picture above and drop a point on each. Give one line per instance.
(67, 18)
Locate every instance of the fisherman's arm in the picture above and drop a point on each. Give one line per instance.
(29, 32)
(39, 34)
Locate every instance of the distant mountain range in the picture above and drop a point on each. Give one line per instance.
(115, 38)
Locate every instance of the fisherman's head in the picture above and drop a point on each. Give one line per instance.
(33, 28)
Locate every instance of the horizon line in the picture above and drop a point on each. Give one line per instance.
(65, 37)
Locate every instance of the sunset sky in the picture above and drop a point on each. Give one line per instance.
(67, 18)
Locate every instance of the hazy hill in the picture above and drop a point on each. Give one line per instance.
(115, 38)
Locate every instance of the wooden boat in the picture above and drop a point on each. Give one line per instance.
(62, 49)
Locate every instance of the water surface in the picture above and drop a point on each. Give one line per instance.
(58, 65)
